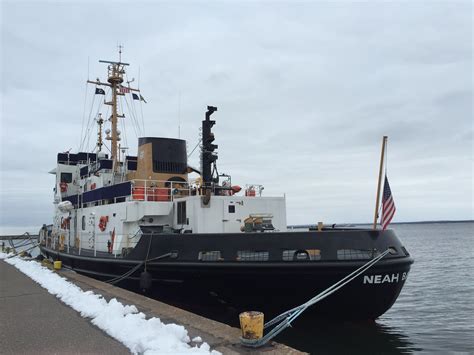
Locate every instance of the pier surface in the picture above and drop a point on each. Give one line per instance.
(34, 321)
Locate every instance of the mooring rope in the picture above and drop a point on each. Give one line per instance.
(22, 243)
(135, 268)
(288, 317)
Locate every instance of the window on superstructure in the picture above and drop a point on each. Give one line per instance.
(251, 255)
(354, 254)
(66, 177)
(212, 255)
(83, 223)
(181, 206)
(301, 255)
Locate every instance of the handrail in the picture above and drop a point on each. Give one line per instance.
(158, 190)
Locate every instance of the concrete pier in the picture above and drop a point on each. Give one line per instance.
(32, 320)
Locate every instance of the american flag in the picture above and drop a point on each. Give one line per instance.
(388, 206)
(124, 90)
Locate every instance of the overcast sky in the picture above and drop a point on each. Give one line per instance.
(305, 92)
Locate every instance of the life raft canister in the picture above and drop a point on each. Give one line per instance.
(103, 223)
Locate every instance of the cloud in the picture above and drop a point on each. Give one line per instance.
(305, 92)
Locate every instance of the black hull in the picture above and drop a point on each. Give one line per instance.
(271, 286)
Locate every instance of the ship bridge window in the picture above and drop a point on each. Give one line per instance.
(212, 255)
(301, 255)
(66, 177)
(83, 223)
(354, 254)
(250, 255)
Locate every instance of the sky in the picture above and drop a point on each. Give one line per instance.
(305, 91)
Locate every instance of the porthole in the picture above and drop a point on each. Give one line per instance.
(301, 255)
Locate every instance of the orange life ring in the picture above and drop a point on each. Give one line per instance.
(103, 223)
(63, 186)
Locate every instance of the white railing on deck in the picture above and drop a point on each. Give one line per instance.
(100, 242)
(159, 191)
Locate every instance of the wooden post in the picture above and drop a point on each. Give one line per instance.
(384, 142)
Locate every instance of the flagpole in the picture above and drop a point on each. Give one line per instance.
(384, 142)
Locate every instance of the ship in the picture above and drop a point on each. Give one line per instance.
(143, 220)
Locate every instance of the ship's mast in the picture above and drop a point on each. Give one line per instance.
(116, 71)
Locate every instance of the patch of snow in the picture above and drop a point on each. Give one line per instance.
(124, 323)
(197, 340)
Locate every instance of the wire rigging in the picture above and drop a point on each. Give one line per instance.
(83, 115)
(87, 126)
(134, 125)
(88, 121)
(124, 128)
(132, 110)
(140, 102)
(91, 121)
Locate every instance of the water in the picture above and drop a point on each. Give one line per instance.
(434, 312)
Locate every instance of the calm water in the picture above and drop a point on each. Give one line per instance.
(434, 312)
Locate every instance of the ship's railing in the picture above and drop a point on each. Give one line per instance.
(104, 242)
(159, 191)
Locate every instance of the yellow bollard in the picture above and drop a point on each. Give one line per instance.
(251, 324)
(320, 226)
(57, 265)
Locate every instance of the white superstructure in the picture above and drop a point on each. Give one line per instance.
(104, 204)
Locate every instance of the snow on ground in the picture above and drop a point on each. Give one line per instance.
(124, 323)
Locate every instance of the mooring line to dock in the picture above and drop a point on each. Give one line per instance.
(23, 243)
(289, 316)
(135, 268)
(24, 240)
